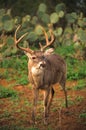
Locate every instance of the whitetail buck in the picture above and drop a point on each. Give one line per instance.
(45, 69)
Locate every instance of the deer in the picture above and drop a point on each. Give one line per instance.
(45, 68)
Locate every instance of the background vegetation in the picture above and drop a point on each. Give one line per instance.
(69, 28)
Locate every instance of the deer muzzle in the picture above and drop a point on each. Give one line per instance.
(42, 64)
(39, 68)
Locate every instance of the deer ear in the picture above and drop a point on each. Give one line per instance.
(49, 51)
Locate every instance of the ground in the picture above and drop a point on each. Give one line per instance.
(15, 113)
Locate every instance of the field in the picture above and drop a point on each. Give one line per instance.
(16, 96)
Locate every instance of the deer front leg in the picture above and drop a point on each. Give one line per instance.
(50, 98)
(46, 97)
(35, 99)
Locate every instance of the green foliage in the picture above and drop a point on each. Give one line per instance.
(79, 99)
(60, 7)
(15, 65)
(10, 40)
(6, 22)
(45, 18)
(5, 18)
(65, 51)
(34, 20)
(22, 80)
(61, 14)
(42, 8)
(75, 68)
(7, 92)
(81, 35)
(32, 36)
(74, 24)
(38, 30)
(54, 18)
(71, 18)
(83, 115)
(81, 85)
(58, 31)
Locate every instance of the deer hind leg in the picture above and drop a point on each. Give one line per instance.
(62, 83)
(50, 98)
(46, 98)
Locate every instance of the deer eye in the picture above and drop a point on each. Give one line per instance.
(34, 57)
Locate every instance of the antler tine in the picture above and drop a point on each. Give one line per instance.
(52, 36)
(3, 37)
(48, 43)
(18, 40)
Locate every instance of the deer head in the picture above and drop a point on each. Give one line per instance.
(37, 58)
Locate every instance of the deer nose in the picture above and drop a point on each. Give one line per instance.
(42, 64)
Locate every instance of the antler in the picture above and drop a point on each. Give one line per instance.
(3, 37)
(48, 43)
(18, 40)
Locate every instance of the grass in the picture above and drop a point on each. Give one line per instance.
(17, 128)
(82, 115)
(76, 69)
(79, 99)
(7, 92)
(22, 80)
(15, 69)
(71, 101)
(5, 115)
(27, 103)
(80, 85)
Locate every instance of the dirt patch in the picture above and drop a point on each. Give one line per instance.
(17, 112)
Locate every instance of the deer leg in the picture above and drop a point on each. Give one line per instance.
(50, 98)
(46, 97)
(66, 101)
(65, 93)
(35, 99)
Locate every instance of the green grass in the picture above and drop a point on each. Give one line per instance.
(7, 92)
(14, 62)
(76, 69)
(65, 51)
(79, 99)
(71, 101)
(15, 69)
(82, 115)
(81, 85)
(23, 79)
